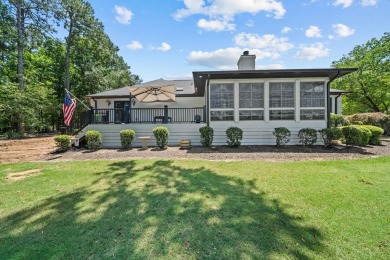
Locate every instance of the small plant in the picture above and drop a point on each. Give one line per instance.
(127, 136)
(282, 135)
(352, 135)
(63, 142)
(330, 135)
(376, 133)
(366, 136)
(161, 134)
(307, 136)
(206, 136)
(12, 135)
(94, 139)
(234, 136)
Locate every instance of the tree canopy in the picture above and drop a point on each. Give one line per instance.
(34, 61)
(370, 84)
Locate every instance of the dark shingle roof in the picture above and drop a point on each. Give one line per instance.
(183, 88)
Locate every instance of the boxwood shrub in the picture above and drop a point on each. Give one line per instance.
(161, 134)
(206, 136)
(234, 136)
(330, 135)
(353, 135)
(282, 135)
(94, 139)
(376, 133)
(307, 136)
(127, 136)
(63, 142)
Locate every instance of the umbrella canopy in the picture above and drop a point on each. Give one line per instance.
(154, 93)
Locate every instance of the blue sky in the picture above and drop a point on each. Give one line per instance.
(171, 38)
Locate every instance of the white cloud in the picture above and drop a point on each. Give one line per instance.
(250, 23)
(342, 30)
(331, 37)
(216, 25)
(286, 29)
(369, 2)
(163, 47)
(225, 59)
(134, 45)
(313, 32)
(267, 42)
(311, 52)
(229, 8)
(344, 3)
(123, 15)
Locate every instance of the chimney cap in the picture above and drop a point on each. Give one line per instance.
(246, 53)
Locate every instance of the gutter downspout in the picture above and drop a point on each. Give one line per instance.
(335, 103)
(208, 100)
(328, 99)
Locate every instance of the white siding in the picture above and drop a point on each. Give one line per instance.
(111, 137)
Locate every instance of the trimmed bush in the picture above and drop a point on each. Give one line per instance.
(366, 135)
(94, 139)
(161, 134)
(234, 136)
(282, 135)
(206, 136)
(375, 119)
(330, 135)
(63, 142)
(307, 136)
(376, 133)
(353, 135)
(127, 136)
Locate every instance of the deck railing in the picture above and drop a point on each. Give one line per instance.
(144, 115)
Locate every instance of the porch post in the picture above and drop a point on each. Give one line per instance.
(165, 114)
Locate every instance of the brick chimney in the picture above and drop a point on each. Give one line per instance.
(246, 61)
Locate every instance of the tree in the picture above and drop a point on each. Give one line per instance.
(371, 83)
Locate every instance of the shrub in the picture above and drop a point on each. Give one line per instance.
(376, 133)
(63, 142)
(282, 135)
(330, 135)
(127, 136)
(352, 135)
(234, 136)
(206, 136)
(161, 134)
(12, 135)
(94, 139)
(376, 119)
(307, 136)
(366, 135)
(336, 120)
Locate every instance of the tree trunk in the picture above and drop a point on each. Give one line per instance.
(369, 99)
(20, 44)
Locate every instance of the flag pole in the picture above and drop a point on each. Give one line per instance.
(77, 99)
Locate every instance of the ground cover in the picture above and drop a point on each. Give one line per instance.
(195, 209)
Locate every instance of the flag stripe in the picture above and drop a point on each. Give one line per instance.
(68, 108)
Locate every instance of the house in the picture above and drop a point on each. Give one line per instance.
(257, 101)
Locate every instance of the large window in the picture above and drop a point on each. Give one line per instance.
(251, 101)
(222, 102)
(312, 100)
(281, 100)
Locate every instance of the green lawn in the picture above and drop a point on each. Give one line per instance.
(186, 209)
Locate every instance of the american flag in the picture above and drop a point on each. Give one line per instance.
(69, 106)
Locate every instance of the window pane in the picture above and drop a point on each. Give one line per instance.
(312, 94)
(222, 115)
(251, 95)
(281, 94)
(251, 115)
(222, 95)
(281, 115)
(312, 114)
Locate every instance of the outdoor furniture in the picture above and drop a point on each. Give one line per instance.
(144, 140)
(161, 118)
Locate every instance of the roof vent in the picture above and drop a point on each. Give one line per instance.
(179, 88)
(246, 61)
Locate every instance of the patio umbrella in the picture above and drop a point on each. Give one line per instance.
(154, 93)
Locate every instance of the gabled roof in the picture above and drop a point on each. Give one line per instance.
(183, 88)
(200, 77)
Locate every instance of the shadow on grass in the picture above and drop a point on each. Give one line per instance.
(159, 210)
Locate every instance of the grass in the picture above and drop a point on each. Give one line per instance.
(186, 209)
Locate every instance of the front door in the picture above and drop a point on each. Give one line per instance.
(119, 110)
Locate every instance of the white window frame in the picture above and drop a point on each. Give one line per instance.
(253, 108)
(324, 108)
(294, 81)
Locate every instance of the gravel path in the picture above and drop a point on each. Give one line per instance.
(251, 153)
